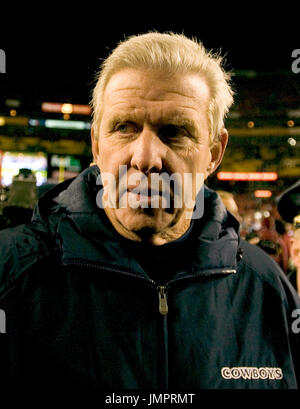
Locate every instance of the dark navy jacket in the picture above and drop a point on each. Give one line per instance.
(81, 311)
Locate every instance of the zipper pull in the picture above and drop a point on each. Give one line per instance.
(162, 298)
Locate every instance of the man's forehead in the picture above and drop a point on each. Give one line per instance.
(150, 85)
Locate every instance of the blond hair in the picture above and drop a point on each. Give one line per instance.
(171, 54)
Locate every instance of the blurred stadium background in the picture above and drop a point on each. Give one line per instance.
(51, 63)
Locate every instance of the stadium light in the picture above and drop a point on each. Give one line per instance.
(248, 176)
(66, 108)
(61, 124)
(262, 193)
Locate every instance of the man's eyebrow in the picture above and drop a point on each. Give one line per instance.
(118, 117)
(176, 120)
(181, 121)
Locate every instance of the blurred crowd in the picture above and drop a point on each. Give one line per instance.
(271, 227)
(18, 200)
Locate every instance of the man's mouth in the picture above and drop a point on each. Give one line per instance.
(149, 197)
(144, 192)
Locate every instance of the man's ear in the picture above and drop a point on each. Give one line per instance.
(217, 151)
(95, 145)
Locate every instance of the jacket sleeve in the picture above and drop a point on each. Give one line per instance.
(269, 271)
(293, 322)
(20, 248)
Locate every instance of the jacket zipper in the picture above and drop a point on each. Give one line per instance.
(162, 307)
(162, 289)
(162, 300)
(162, 297)
(162, 304)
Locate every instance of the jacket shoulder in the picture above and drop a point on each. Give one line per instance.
(20, 248)
(258, 262)
(258, 259)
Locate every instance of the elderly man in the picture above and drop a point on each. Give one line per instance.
(133, 275)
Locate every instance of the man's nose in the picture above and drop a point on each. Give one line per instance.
(148, 152)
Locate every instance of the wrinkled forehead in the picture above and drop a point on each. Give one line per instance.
(137, 93)
(156, 86)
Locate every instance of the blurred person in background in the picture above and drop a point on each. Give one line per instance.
(295, 257)
(3, 201)
(144, 297)
(21, 199)
(288, 204)
(272, 241)
(230, 203)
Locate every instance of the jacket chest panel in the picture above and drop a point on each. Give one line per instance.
(107, 330)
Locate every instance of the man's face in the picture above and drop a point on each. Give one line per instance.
(154, 124)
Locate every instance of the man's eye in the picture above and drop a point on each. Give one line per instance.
(171, 132)
(125, 128)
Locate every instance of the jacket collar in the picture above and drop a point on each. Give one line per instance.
(87, 233)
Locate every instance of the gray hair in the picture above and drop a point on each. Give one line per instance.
(172, 54)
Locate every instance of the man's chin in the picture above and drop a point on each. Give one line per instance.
(144, 222)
